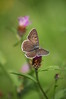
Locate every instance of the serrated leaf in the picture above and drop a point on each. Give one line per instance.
(25, 75)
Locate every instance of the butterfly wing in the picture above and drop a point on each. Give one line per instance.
(31, 54)
(31, 46)
(33, 37)
(32, 43)
(27, 46)
(42, 52)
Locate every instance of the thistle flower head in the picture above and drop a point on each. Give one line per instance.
(36, 62)
(24, 21)
(25, 68)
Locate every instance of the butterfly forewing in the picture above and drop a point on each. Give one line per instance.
(27, 46)
(42, 52)
(33, 37)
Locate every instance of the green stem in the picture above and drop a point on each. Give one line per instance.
(44, 94)
(55, 89)
(18, 42)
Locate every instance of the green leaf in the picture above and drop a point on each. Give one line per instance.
(5, 71)
(12, 29)
(50, 68)
(17, 43)
(15, 80)
(6, 84)
(61, 94)
(2, 58)
(25, 75)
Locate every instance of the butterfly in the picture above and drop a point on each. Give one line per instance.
(31, 46)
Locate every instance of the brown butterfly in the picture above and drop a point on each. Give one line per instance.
(31, 45)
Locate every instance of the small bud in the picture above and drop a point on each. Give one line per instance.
(21, 30)
(36, 62)
(57, 76)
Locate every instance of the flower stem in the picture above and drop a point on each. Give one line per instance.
(44, 94)
(54, 89)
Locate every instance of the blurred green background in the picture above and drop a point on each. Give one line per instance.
(49, 18)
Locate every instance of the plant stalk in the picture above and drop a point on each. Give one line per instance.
(44, 94)
(55, 86)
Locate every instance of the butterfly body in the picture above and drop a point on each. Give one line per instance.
(35, 48)
(31, 45)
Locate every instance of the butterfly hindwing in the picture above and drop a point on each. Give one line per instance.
(42, 52)
(31, 54)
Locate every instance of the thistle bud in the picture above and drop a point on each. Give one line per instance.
(36, 62)
(57, 77)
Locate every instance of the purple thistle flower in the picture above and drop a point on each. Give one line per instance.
(25, 68)
(24, 21)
